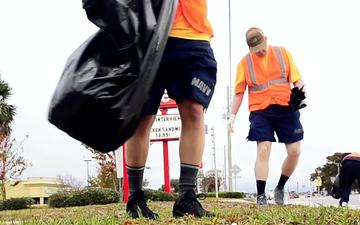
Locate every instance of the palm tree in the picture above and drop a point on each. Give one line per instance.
(7, 112)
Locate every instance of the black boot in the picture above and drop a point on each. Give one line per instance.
(136, 206)
(187, 203)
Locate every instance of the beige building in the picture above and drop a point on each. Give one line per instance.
(37, 188)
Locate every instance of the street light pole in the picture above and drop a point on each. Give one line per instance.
(215, 168)
(87, 171)
(225, 168)
(230, 187)
(229, 164)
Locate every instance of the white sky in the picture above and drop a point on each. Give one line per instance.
(37, 37)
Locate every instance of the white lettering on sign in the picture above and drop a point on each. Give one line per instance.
(166, 127)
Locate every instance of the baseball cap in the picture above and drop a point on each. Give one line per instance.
(255, 39)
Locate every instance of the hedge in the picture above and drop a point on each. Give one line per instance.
(88, 196)
(226, 194)
(164, 196)
(16, 203)
(155, 195)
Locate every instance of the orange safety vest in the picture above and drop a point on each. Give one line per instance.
(195, 13)
(268, 85)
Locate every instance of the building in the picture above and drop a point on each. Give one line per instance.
(37, 188)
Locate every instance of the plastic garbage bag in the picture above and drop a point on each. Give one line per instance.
(335, 188)
(105, 84)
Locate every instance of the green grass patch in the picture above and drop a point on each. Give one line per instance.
(227, 213)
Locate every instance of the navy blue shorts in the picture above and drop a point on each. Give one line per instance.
(275, 119)
(187, 71)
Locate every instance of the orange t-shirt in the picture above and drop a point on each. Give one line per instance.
(191, 21)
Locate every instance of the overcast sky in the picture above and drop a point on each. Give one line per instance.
(37, 37)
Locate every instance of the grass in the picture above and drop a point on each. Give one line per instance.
(227, 213)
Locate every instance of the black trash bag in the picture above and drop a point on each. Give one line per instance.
(124, 18)
(335, 188)
(105, 84)
(297, 98)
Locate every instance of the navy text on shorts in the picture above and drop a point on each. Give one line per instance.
(187, 71)
(275, 119)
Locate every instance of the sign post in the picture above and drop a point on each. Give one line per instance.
(235, 170)
(121, 172)
(167, 127)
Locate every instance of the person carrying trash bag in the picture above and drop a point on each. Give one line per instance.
(188, 73)
(269, 72)
(349, 172)
(111, 89)
(106, 82)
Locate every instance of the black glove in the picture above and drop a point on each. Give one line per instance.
(296, 98)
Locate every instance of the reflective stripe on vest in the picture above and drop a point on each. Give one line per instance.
(258, 87)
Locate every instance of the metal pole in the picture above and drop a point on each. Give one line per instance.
(125, 184)
(87, 171)
(230, 42)
(167, 185)
(297, 186)
(214, 154)
(225, 177)
(230, 53)
(230, 187)
(235, 183)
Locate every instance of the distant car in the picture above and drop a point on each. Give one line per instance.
(307, 195)
(293, 194)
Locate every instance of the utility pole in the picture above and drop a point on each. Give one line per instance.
(297, 186)
(215, 168)
(229, 164)
(225, 168)
(230, 186)
(87, 171)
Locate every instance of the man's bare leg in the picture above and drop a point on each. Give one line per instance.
(262, 170)
(192, 137)
(292, 159)
(262, 160)
(137, 148)
(191, 150)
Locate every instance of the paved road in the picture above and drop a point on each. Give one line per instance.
(324, 200)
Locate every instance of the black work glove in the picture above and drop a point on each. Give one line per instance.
(297, 98)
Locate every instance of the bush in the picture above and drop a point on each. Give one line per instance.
(88, 196)
(164, 196)
(159, 195)
(15, 203)
(226, 194)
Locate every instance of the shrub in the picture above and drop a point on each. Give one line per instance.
(88, 196)
(15, 203)
(164, 196)
(159, 195)
(226, 194)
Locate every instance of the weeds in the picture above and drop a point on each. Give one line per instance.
(227, 213)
